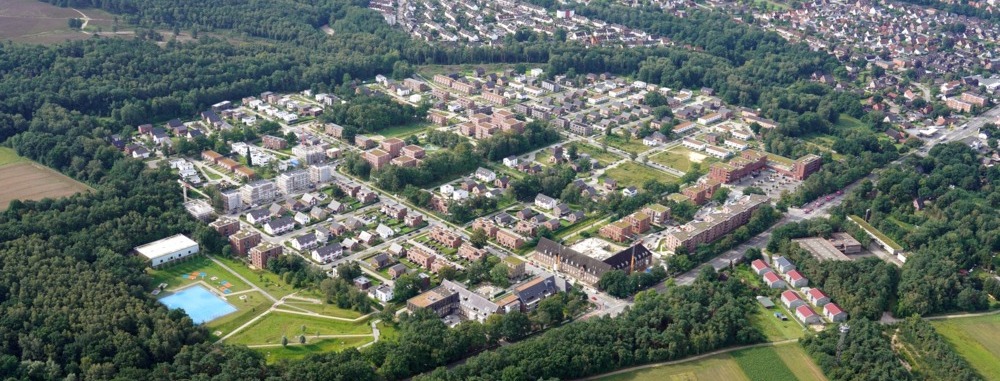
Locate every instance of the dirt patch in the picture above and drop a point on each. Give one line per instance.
(31, 181)
(696, 157)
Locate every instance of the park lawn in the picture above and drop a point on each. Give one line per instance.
(387, 332)
(633, 145)
(675, 159)
(848, 122)
(977, 339)
(405, 130)
(775, 329)
(9, 156)
(270, 328)
(171, 275)
(325, 309)
(804, 368)
(299, 351)
(719, 367)
(266, 280)
(246, 309)
(763, 364)
(634, 174)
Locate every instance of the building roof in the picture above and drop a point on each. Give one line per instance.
(771, 277)
(815, 293)
(327, 250)
(782, 262)
(758, 265)
(805, 311)
(795, 275)
(832, 309)
(790, 295)
(283, 221)
(165, 246)
(536, 289)
(305, 238)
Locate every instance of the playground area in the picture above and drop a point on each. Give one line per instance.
(201, 270)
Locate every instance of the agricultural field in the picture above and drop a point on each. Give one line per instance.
(720, 367)
(778, 363)
(977, 339)
(634, 174)
(25, 180)
(681, 158)
(38, 22)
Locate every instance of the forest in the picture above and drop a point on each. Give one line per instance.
(942, 209)
(867, 353)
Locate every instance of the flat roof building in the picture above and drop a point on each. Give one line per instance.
(168, 250)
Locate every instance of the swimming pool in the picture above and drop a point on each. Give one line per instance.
(199, 303)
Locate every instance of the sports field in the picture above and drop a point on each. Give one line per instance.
(778, 363)
(23, 180)
(977, 339)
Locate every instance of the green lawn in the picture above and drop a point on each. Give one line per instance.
(634, 174)
(298, 351)
(633, 145)
(272, 327)
(172, 275)
(763, 364)
(603, 157)
(677, 158)
(247, 308)
(848, 122)
(775, 329)
(387, 332)
(977, 339)
(268, 281)
(325, 309)
(8, 156)
(405, 130)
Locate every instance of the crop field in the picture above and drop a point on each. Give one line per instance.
(31, 181)
(977, 339)
(778, 363)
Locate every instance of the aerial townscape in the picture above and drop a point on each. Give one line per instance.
(453, 190)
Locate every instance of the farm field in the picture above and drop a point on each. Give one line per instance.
(680, 158)
(778, 363)
(270, 328)
(720, 367)
(977, 339)
(634, 174)
(24, 180)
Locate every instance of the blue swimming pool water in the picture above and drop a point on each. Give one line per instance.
(199, 303)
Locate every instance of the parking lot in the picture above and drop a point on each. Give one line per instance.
(772, 183)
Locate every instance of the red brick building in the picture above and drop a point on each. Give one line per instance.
(243, 241)
(618, 231)
(446, 237)
(261, 254)
(509, 239)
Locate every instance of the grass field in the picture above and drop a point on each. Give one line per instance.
(8, 156)
(633, 145)
(297, 351)
(270, 328)
(680, 158)
(776, 329)
(171, 275)
(603, 157)
(325, 309)
(784, 362)
(247, 308)
(270, 282)
(635, 174)
(404, 131)
(977, 339)
(25, 180)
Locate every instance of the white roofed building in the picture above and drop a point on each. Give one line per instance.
(168, 250)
